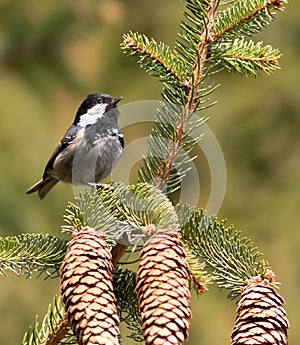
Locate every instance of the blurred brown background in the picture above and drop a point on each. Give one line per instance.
(54, 53)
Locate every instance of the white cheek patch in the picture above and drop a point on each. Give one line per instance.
(93, 114)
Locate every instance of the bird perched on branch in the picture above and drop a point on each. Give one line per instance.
(89, 149)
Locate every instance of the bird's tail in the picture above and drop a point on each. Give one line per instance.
(43, 186)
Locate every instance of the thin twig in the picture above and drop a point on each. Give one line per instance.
(59, 332)
(117, 252)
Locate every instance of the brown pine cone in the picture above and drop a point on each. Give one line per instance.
(261, 318)
(86, 287)
(163, 290)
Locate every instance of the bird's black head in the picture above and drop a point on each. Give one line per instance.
(96, 104)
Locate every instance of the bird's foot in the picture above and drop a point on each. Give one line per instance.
(97, 186)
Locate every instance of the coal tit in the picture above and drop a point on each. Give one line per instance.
(89, 149)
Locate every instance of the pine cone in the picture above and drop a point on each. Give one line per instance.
(261, 318)
(163, 290)
(86, 287)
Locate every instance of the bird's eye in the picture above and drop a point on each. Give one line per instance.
(100, 101)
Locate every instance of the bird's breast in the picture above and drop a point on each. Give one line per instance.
(89, 161)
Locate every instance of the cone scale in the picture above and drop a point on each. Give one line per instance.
(261, 318)
(163, 290)
(86, 287)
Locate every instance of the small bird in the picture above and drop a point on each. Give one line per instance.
(89, 149)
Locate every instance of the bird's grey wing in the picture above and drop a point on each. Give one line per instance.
(64, 143)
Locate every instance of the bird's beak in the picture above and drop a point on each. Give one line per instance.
(116, 100)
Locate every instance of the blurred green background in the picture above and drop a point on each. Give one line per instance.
(54, 53)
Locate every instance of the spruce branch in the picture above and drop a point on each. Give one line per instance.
(122, 214)
(32, 253)
(54, 328)
(140, 205)
(181, 99)
(156, 58)
(144, 205)
(245, 17)
(231, 259)
(209, 39)
(204, 14)
(169, 148)
(89, 209)
(247, 57)
(201, 56)
(199, 277)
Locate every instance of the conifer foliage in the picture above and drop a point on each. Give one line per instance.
(211, 38)
(180, 246)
